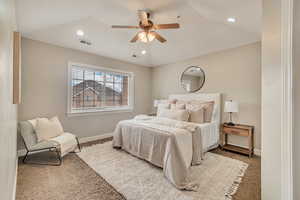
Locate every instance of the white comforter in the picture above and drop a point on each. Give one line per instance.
(170, 144)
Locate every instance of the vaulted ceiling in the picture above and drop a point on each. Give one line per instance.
(204, 27)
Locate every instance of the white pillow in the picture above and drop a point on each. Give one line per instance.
(162, 106)
(48, 128)
(181, 115)
(34, 122)
(178, 106)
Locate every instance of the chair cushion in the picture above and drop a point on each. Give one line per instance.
(48, 128)
(45, 145)
(67, 141)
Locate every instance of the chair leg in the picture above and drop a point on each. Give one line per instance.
(58, 153)
(24, 159)
(78, 144)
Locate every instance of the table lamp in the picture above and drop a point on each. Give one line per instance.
(231, 107)
(155, 103)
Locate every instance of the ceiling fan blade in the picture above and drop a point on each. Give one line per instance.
(135, 38)
(143, 17)
(120, 26)
(158, 37)
(166, 26)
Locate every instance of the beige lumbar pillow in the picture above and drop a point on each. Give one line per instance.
(48, 128)
(181, 115)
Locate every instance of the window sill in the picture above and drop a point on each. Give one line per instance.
(98, 112)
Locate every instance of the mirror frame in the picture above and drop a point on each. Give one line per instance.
(192, 91)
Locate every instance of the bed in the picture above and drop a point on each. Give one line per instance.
(210, 131)
(170, 144)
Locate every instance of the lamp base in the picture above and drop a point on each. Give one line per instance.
(230, 124)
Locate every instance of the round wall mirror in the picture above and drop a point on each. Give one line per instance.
(192, 79)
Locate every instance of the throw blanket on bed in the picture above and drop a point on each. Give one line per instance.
(170, 144)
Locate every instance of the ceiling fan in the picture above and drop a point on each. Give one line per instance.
(148, 33)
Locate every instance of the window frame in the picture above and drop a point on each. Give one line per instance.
(103, 110)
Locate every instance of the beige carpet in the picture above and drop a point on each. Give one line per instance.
(136, 179)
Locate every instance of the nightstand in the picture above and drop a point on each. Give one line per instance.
(239, 130)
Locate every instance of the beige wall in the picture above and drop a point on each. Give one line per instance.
(8, 111)
(44, 87)
(236, 73)
(271, 100)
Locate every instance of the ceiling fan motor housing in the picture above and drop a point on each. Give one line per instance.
(147, 35)
(148, 27)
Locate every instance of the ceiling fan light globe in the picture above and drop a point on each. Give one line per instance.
(150, 36)
(146, 37)
(142, 36)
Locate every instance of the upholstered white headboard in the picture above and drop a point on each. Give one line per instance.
(216, 97)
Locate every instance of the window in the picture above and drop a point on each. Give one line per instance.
(97, 89)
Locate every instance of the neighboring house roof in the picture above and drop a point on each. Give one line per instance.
(89, 88)
(92, 85)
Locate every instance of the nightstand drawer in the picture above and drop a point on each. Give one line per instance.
(234, 131)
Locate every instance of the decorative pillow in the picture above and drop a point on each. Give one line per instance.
(197, 114)
(162, 106)
(178, 106)
(207, 106)
(181, 115)
(182, 102)
(48, 128)
(172, 101)
(167, 101)
(33, 122)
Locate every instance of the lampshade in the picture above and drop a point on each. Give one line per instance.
(155, 103)
(146, 36)
(231, 106)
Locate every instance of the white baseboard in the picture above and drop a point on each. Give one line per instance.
(96, 137)
(22, 152)
(257, 152)
(15, 181)
(82, 140)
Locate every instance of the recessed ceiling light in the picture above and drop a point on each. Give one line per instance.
(231, 19)
(80, 33)
(144, 52)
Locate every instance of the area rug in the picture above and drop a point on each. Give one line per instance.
(136, 179)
